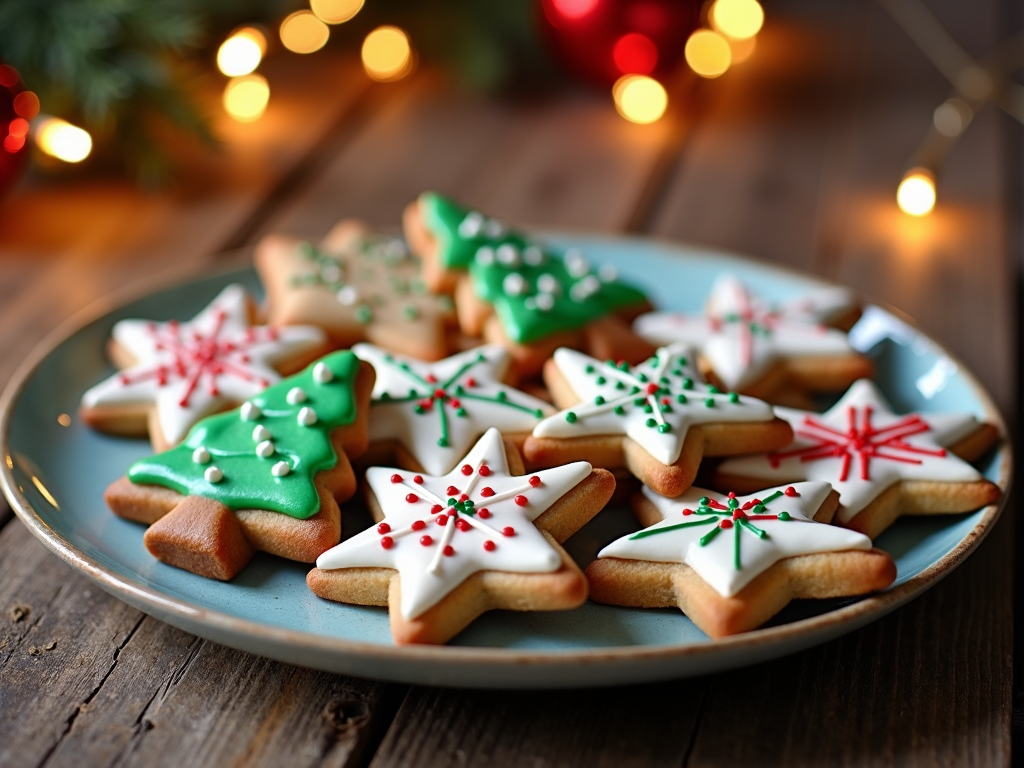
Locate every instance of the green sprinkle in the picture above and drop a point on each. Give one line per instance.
(683, 361)
(601, 380)
(687, 383)
(599, 400)
(733, 397)
(538, 413)
(640, 401)
(642, 377)
(452, 502)
(409, 312)
(663, 428)
(681, 399)
(442, 442)
(653, 361)
(589, 369)
(620, 411)
(502, 396)
(784, 516)
(634, 390)
(384, 396)
(459, 389)
(710, 402)
(758, 509)
(619, 385)
(712, 389)
(664, 380)
(420, 410)
(704, 501)
(460, 412)
(570, 417)
(677, 371)
(623, 366)
(733, 503)
(648, 408)
(651, 423)
(666, 408)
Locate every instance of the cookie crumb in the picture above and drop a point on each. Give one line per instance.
(50, 645)
(19, 613)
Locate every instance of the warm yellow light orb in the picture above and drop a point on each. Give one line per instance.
(387, 54)
(335, 11)
(640, 99)
(738, 19)
(63, 140)
(242, 52)
(742, 49)
(916, 193)
(303, 32)
(708, 53)
(246, 97)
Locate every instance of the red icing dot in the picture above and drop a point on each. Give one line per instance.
(467, 470)
(652, 388)
(396, 478)
(534, 481)
(790, 491)
(439, 394)
(418, 479)
(486, 491)
(442, 520)
(387, 542)
(383, 528)
(687, 511)
(412, 498)
(431, 378)
(490, 545)
(521, 501)
(435, 509)
(426, 541)
(470, 382)
(508, 531)
(463, 497)
(418, 525)
(732, 495)
(727, 523)
(426, 404)
(483, 513)
(449, 550)
(451, 490)
(454, 403)
(462, 525)
(485, 471)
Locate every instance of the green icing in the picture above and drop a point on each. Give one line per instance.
(248, 482)
(574, 297)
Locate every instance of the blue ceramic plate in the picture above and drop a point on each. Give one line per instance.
(56, 470)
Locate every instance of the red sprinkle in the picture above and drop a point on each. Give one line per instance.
(451, 490)
(470, 382)
(483, 513)
(439, 394)
(687, 511)
(490, 545)
(396, 478)
(652, 388)
(727, 523)
(534, 481)
(462, 525)
(521, 501)
(454, 402)
(467, 470)
(418, 479)
(463, 497)
(431, 378)
(426, 541)
(442, 520)
(449, 550)
(732, 494)
(486, 491)
(387, 542)
(508, 531)
(412, 498)
(435, 509)
(790, 491)
(484, 470)
(383, 528)
(418, 525)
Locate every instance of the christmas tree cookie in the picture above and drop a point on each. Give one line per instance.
(732, 562)
(429, 414)
(267, 476)
(658, 419)
(773, 351)
(174, 373)
(358, 287)
(447, 548)
(519, 294)
(882, 464)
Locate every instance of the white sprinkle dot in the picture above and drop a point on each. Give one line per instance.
(250, 412)
(213, 475)
(591, 284)
(471, 225)
(514, 284)
(307, 417)
(530, 303)
(261, 433)
(265, 449)
(608, 273)
(296, 395)
(348, 295)
(533, 256)
(575, 263)
(545, 302)
(508, 255)
(330, 273)
(548, 283)
(201, 456)
(494, 228)
(322, 374)
(281, 469)
(485, 256)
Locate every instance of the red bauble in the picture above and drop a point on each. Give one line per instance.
(17, 107)
(601, 40)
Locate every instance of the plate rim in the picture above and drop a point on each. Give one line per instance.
(180, 612)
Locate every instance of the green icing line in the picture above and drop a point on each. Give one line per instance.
(248, 482)
(522, 323)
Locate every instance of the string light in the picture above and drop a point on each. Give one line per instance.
(242, 52)
(708, 53)
(303, 32)
(335, 11)
(742, 49)
(574, 9)
(635, 54)
(737, 19)
(246, 97)
(916, 193)
(640, 99)
(387, 54)
(59, 138)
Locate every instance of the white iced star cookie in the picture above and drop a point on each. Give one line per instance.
(433, 412)
(730, 562)
(763, 348)
(882, 464)
(175, 373)
(447, 548)
(657, 419)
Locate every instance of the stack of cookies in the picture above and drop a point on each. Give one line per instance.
(489, 394)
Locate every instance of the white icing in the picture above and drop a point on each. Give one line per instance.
(427, 574)
(307, 416)
(670, 369)
(213, 475)
(280, 469)
(863, 400)
(250, 411)
(715, 561)
(295, 396)
(261, 433)
(322, 374)
(201, 456)
(208, 363)
(481, 372)
(742, 337)
(265, 449)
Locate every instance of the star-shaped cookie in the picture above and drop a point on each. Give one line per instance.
(433, 412)
(175, 373)
(358, 287)
(657, 418)
(766, 349)
(731, 562)
(447, 548)
(882, 464)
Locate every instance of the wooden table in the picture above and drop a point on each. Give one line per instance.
(792, 157)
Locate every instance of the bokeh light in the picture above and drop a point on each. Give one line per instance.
(59, 138)
(640, 99)
(738, 19)
(952, 117)
(574, 9)
(635, 54)
(742, 49)
(246, 97)
(26, 104)
(242, 52)
(335, 11)
(387, 54)
(303, 32)
(916, 193)
(708, 53)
